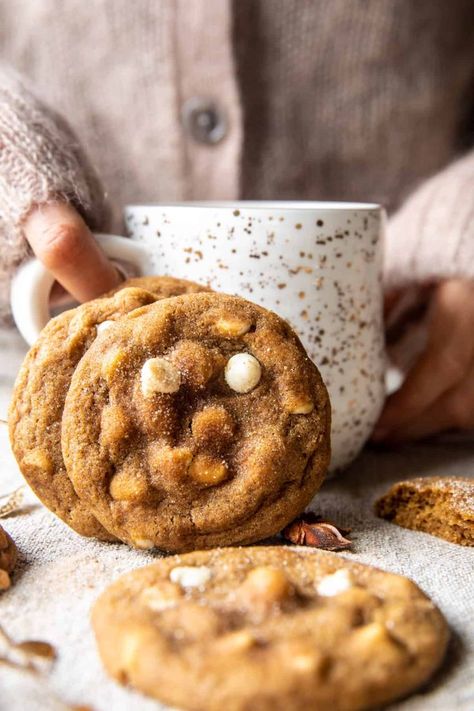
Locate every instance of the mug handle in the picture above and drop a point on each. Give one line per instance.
(31, 285)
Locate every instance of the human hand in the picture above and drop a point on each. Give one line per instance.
(62, 241)
(438, 393)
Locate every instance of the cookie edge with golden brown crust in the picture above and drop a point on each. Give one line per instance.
(159, 284)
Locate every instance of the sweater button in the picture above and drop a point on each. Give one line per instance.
(203, 120)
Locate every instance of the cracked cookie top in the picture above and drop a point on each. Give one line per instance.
(196, 421)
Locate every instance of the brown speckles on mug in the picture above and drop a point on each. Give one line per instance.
(318, 268)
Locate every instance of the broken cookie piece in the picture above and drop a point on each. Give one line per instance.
(442, 506)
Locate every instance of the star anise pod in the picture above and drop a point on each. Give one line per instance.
(311, 530)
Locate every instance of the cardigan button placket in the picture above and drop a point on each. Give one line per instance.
(207, 100)
(204, 121)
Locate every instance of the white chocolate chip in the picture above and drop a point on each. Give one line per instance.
(158, 599)
(235, 642)
(143, 543)
(190, 576)
(302, 408)
(159, 605)
(233, 327)
(304, 663)
(101, 327)
(159, 376)
(243, 372)
(112, 362)
(336, 583)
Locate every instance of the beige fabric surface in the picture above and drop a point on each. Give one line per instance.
(59, 575)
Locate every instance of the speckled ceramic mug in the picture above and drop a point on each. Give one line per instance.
(317, 264)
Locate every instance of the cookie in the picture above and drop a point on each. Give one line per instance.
(8, 555)
(163, 286)
(268, 629)
(200, 421)
(442, 506)
(40, 390)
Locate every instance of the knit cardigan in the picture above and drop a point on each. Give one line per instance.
(323, 99)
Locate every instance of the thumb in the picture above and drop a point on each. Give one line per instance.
(62, 241)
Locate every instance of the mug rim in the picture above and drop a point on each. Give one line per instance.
(283, 205)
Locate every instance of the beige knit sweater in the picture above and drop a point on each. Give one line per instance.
(322, 99)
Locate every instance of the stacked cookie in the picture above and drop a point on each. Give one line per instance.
(167, 416)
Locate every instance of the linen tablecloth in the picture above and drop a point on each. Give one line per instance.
(60, 574)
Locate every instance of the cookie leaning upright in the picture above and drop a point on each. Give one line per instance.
(41, 386)
(268, 629)
(200, 421)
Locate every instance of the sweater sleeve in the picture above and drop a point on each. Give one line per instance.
(431, 237)
(40, 160)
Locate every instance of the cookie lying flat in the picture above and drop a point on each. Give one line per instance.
(40, 390)
(8, 555)
(268, 629)
(442, 506)
(200, 421)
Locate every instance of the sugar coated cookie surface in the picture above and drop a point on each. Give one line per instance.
(200, 421)
(268, 629)
(442, 506)
(38, 399)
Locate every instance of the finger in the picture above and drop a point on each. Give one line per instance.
(444, 362)
(390, 300)
(453, 410)
(63, 243)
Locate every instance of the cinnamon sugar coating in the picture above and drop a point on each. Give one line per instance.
(187, 462)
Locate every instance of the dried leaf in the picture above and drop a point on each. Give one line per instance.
(31, 655)
(45, 695)
(310, 530)
(13, 501)
(35, 648)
